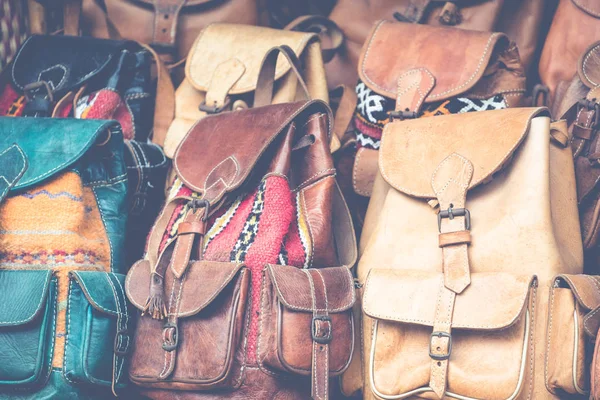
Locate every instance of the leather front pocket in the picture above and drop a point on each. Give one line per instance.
(211, 308)
(97, 328)
(490, 352)
(572, 328)
(27, 323)
(292, 326)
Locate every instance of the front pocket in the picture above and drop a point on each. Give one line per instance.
(491, 335)
(97, 328)
(205, 349)
(572, 328)
(27, 320)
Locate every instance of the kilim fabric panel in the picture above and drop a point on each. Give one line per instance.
(13, 29)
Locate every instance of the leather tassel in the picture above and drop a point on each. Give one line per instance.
(155, 305)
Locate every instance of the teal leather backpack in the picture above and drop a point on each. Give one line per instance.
(64, 319)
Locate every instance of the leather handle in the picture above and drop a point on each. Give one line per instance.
(328, 31)
(266, 77)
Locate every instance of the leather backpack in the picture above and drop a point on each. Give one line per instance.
(89, 78)
(222, 69)
(481, 71)
(64, 319)
(245, 290)
(472, 216)
(575, 26)
(351, 23)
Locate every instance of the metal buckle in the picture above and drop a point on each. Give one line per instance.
(321, 339)
(402, 115)
(201, 203)
(442, 357)
(452, 212)
(174, 340)
(120, 338)
(590, 105)
(33, 87)
(214, 109)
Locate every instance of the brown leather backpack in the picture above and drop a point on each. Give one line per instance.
(575, 26)
(481, 71)
(520, 20)
(245, 291)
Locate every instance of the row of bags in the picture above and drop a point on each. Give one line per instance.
(222, 308)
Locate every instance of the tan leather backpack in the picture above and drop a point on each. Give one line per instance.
(575, 26)
(471, 218)
(480, 71)
(520, 20)
(222, 69)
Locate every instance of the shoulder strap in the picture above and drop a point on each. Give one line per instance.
(331, 36)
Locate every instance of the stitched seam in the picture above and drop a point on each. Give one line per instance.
(19, 174)
(316, 175)
(359, 154)
(125, 312)
(531, 342)
(587, 318)
(589, 10)
(166, 364)
(586, 59)
(128, 281)
(237, 170)
(82, 283)
(579, 297)
(59, 66)
(37, 308)
(118, 306)
(316, 116)
(310, 231)
(550, 316)
(68, 334)
(315, 183)
(54, 306)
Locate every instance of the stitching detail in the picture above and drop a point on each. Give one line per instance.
(81, 283)
(359, 154)
(416, 84)
(128, 281)
(585, 8)
(315, 176)
(549, 335)
(310, 231)
(64, 369)
(227, 185)
(37, 308)
(587, 57)
(316, 116)
(531, 341)
(19, 174)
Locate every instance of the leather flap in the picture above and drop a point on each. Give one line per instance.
(51, 144)
(24, 295)
(204, 280)
(104, 293)
(412, 150)
(65, 62)
(220, 43)
(231, 143)
(457, 58)
(591, 7)
(293, 286)
(492, 301)
(585, 288)
(589, 65)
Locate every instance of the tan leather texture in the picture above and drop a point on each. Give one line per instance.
(223, 66)
(575, 26)
(172, 25)
(572, 327)
(524, 230)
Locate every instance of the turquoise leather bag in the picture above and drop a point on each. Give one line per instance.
(64, 318)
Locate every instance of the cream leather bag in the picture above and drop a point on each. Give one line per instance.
(222, 69)
(471, 217)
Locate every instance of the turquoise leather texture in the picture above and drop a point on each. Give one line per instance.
(27, 320)
(97, 331)
(12, 167)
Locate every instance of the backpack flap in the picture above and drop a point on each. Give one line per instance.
(590, 7)
(403, 305)
(48, 67)
(27, 319)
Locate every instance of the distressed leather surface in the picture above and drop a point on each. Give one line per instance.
(13, 164)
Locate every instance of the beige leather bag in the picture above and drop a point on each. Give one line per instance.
(222, 69)
(471, 217)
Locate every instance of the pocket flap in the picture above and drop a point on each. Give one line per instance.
(492, 301)
(412, 150)
(219, 43)
(103, 290)
(204, 280)
(589, 65)
(293, 287)
(471, 51)
(591, 7)
(585, 288)
(28, 301)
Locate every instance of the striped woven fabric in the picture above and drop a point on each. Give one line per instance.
(13, 29)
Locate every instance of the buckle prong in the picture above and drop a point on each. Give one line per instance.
(440, 357)
(452, 212)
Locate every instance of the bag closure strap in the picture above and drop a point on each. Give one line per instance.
(321, 333)
(224, 77)
(122, 341)
(329, 32)
(587, 121)
(450, 182)
(166, 15)
(413, 87)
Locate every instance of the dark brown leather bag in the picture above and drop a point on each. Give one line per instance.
(254, 188)
(575, 26)
(520, 20)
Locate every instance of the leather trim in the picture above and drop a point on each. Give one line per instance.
(404, 296)
(591, 7)
(589, 65)
(248, 45)
(35, 292)
(95, 289)
(487, 139)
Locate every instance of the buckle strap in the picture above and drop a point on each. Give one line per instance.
(413, 88)
(122, 341)
(440, 342)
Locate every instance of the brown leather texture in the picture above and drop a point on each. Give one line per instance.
(488, 333)
(172, 25)
(575, 26)
(520, 20)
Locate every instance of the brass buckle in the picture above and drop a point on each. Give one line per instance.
(402, 115)
(590, 105)
(31, 88)
(201, 203)
(171, 343)
(452, 212)
(314, 332)
(119, 340)
(214, 109)
(442, 357)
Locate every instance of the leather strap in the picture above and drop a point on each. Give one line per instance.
(346, 100)
(13, 164)
(440, 342)
(37, 18)
(321, 332)
(166, 14)
(413, 87)
(263, 95)
(224, 77)
(122, 340)
(71, 16)
(185, 241)
(329, 33)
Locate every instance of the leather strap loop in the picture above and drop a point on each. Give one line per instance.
(263, 95)
(328, 31)
(166, 14)
(454, 238)
(321, 333)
